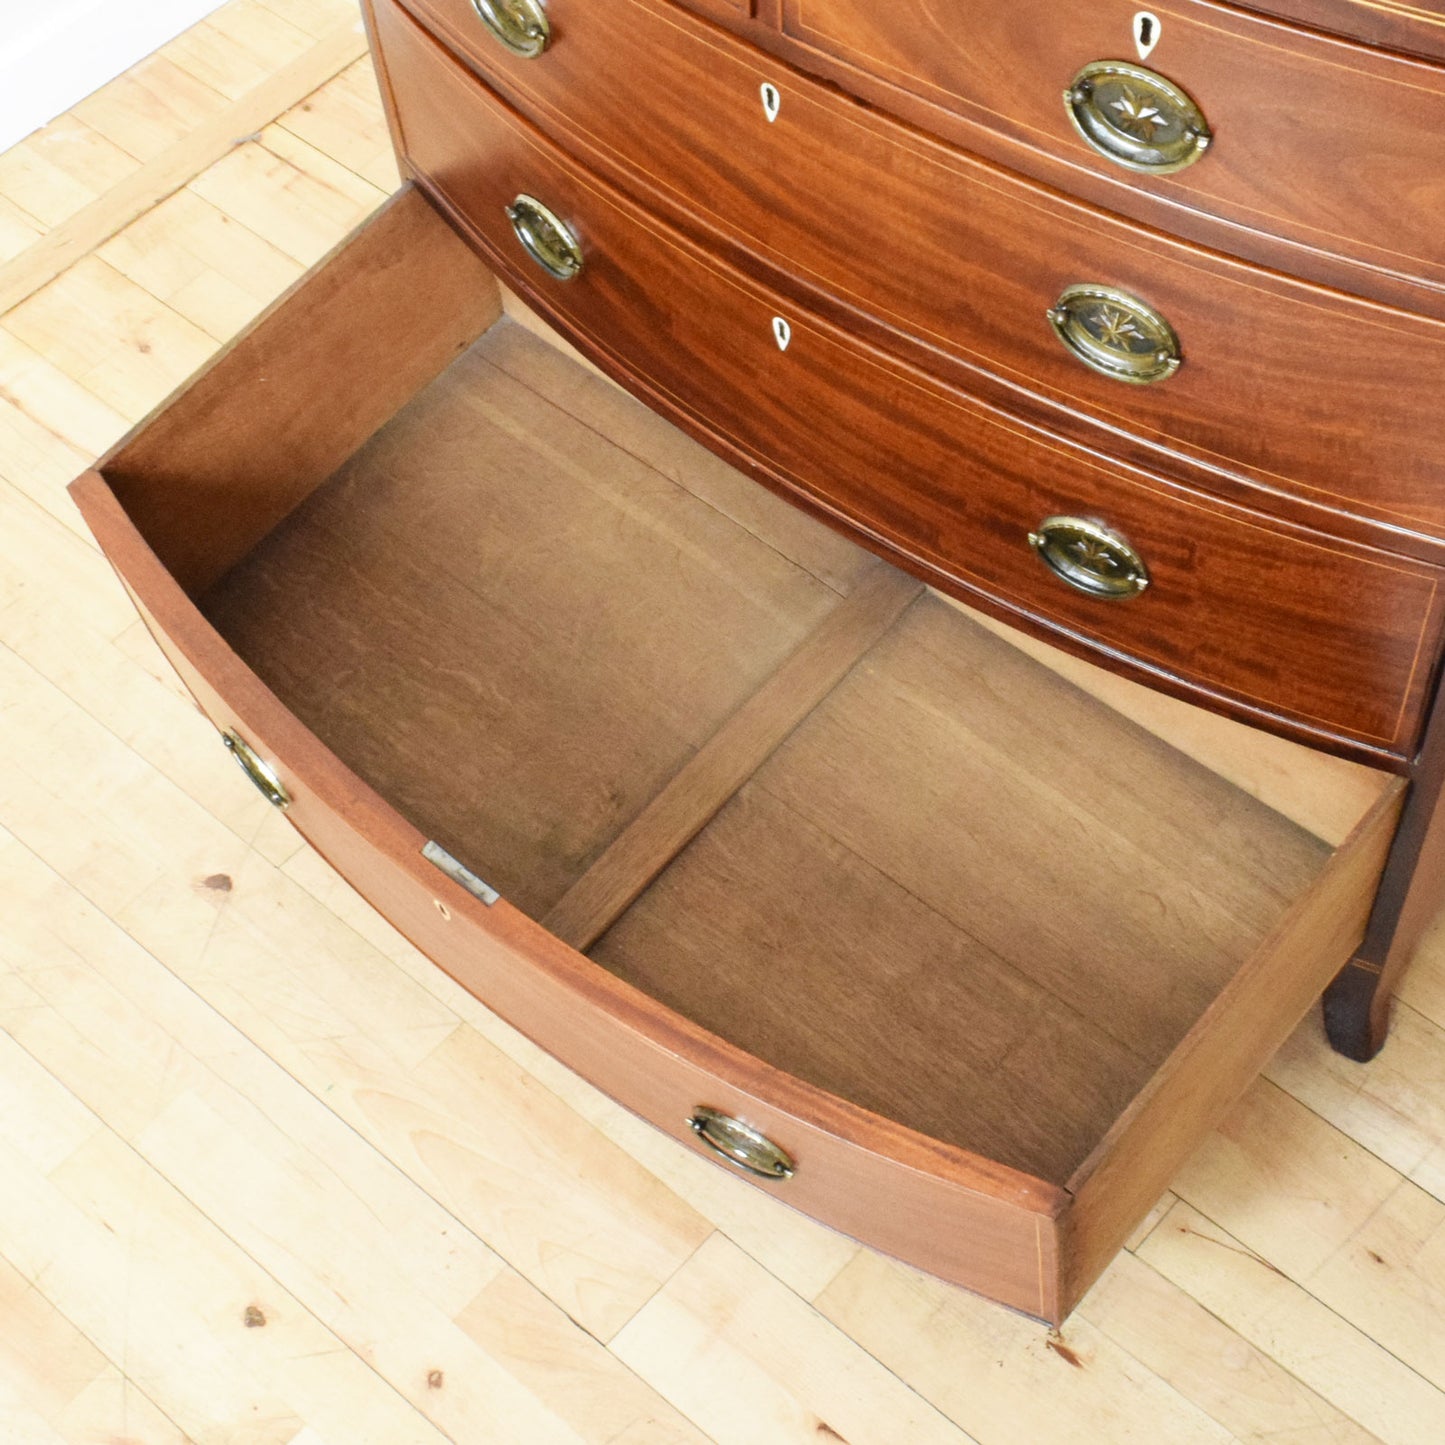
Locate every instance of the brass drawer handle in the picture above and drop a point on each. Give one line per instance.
(545, 237)
(1090, 557)
(520, 25)
(740, 1144)
(1136, 118)
(260, 772)
(1116, 334)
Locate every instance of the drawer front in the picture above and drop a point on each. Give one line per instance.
(1262, 617)
(963, 1218)
(1327, 143)
(961, 258)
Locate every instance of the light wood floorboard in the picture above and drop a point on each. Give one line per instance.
(268, 1176)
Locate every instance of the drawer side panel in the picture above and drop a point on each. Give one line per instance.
(1224, 1052)
(279, 409)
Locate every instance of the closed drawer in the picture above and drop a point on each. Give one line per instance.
(1416, 28)
(961, 261)
(392, 550)
(726, 9)
(1316, 140)
(955, 486)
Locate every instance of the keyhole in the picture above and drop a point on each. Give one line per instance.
(1146, 33)
(772, 100)
(782, 333)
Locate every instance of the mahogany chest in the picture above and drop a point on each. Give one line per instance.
(928, 745)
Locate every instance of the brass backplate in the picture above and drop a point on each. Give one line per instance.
(1136, 118)
(1116, 334)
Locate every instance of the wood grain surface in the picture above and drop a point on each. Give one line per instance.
(1418, 28)
(948, 1210)
(977, 1205)
(1224, 1050)
(727, 9)
(1325, 795)
(917, 867)
(123, 150)
(996, 1180)
(253, 434)
(1289, 154)
(729, 757)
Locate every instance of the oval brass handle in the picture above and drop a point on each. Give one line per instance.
(1116, 334)
(1136, 118)
(255, 767)
(545, 237)
(520, 25)
(1090, 557)
(740, 1144)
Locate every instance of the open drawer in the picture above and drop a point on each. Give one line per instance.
(795, 859)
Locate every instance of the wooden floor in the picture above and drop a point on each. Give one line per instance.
(267, 1176)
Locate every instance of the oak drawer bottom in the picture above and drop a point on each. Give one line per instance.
(971, 948)
(518, 635)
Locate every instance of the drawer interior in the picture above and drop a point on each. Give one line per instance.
(968, 897)
(944, 883)
(513, 628)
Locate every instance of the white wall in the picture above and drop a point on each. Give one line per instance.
(55, 52)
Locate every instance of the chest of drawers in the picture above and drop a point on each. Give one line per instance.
(939, 793)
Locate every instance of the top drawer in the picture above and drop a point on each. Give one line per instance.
(1327, 144)
(962, 259)
(1418, 26)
